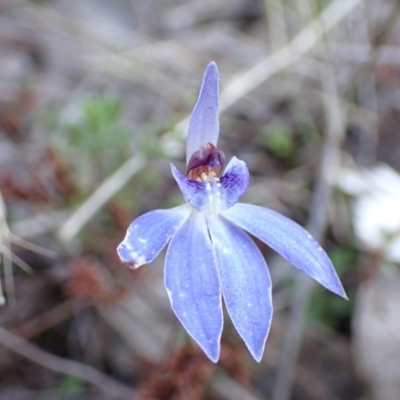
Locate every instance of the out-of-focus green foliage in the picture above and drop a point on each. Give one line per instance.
(96, 142)
(278, 140)
(98, 138)
(69, 387)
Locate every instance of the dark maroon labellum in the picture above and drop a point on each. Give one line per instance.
(205, 160)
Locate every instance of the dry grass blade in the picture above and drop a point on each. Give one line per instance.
(277, 27)
(7, 256)
(5, 253)
(41, 224)
(31, 246)
(100, 196)
(2, 298)
(296, 48)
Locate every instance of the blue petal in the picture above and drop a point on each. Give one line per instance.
(235, 181)
(204, 123)
(193, 285)
(246, 284)
(193, 191)
(290, 240)
(213, 195)
(148, 234)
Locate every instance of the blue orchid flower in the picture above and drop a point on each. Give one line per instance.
(209, 254)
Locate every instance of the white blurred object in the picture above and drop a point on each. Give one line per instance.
(376, 209)
(376, 317)
(376, 334)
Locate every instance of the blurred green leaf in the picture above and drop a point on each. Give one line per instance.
(96, 143)
(278, 140)
(71, 385)
(343, 257)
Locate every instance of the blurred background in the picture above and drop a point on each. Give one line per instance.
(94, 100)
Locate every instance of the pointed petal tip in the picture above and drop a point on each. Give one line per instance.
(334, 285)
(330, 281)
(212, 67)
(212, 353)
(257, 356)
(211, 79)
(211, 347)
(257, 349)
(340, 292)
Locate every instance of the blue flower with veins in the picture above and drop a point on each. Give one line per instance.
(210, 256)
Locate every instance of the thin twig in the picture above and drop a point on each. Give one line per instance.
(368, 98)
(11, 257)
(7, 257)
(31, 246)
(48, 221)
(68, 367)
(101, 195)
(276, 23)
(328, 168)
(5, 253)
(50, 318)
(2, 297)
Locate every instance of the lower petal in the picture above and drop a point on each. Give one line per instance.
(289, 239)
(193, 285)
(148, 235)
(246, 283)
